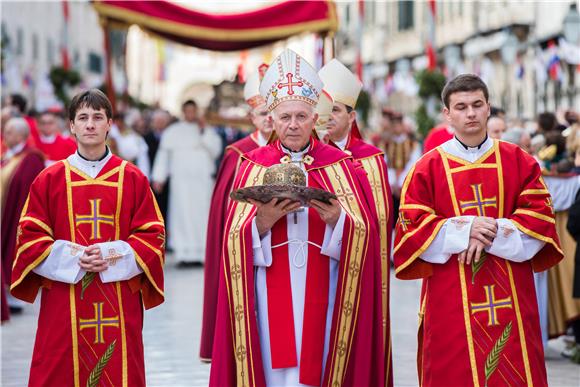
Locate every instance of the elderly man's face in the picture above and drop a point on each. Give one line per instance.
(293, 122)
(496, 127)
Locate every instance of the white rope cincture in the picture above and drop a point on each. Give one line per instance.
(301, 245)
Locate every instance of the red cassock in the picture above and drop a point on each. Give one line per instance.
(479, 323)
(436, 136)
(17, 175)
(60, 149)
(89, 333)
(373, 162)
(215, 233)
(355, 355)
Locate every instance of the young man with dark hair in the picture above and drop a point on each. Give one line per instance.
(475, 221)
(91, 237)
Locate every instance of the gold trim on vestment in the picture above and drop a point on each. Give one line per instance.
(39, 223)
(119, 198)
(473, 166)
(534, 192)
(74, 334)
(535, 235)
(147, 272)
(25, 246)
(417, 207)
(241, 343)
(30, 267)
(157, 252)
(521, 332)
(351, 275)
(125, 377)
(464, 298)
(536, 215)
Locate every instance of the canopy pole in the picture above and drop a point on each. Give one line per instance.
(108, 67)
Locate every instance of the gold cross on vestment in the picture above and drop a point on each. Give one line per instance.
(491, 305)
(95, 219)
(479, 202)
(99, 323)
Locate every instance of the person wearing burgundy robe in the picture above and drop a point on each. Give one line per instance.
(19, 167)
(91, 238)
(217, 218)
(476, 221)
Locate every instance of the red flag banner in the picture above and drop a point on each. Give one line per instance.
(222, 32)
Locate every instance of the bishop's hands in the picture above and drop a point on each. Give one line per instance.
(92, 260)
(267, 214)
(482, 234)
(329, 213)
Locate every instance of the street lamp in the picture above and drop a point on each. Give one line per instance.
(571, 31)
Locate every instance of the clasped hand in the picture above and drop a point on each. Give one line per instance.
(268, 214)
(482, 234)
(92, 260)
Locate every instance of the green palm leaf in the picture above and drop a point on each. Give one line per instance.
(493, 358)
(476, 266)
(96, 373)
(86, 281)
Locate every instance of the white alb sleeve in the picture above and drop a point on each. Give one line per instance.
(121, 259)
(332, 244)
(452, 238)
(262, 247)
(62, 264)
(512, 244)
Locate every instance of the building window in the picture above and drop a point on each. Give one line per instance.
(35, 47)
(369, 12)
(347, 15)
(406, 17)
(95, 63)
(19, 42)
(50, 52)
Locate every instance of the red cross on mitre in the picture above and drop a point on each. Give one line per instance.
(290, 84)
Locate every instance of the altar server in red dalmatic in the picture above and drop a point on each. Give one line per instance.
(297, 296)
(220, 199)
(475, 222)
(91, 237)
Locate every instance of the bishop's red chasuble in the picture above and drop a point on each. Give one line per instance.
(479, 323)
(89, 333)
(373, 161)
(355, 354)
(215, 233)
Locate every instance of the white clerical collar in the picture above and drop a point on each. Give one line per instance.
(89, 167)
(14, 150)
(399, 138)
(48, 139)
(471, 154)
(260, 139)
(342, 143)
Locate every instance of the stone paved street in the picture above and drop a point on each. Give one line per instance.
(171, 336)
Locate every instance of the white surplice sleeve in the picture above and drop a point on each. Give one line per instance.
(62, 264)
(452, 238)
(124, 267)
(512, 244)
(332, 244)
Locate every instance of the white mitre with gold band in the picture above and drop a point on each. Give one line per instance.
(252, 87)
(342, 85)
(323, 109)
(290, 78)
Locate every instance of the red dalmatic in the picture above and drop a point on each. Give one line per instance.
(479, 322)
(89, 333)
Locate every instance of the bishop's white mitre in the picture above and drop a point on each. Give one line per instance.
(290, 78)
(342, 85)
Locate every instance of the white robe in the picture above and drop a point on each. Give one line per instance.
(298, 255)
(188, 157)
